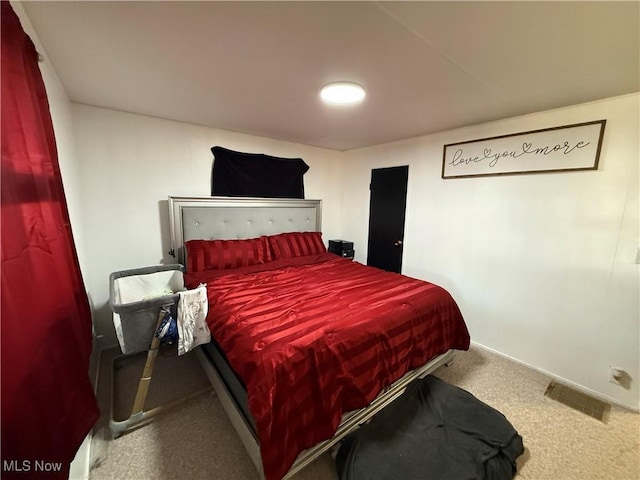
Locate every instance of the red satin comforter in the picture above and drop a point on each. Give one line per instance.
(314, 337)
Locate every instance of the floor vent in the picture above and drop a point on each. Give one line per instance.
(578, 401)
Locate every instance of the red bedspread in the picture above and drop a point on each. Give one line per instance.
(315, 337)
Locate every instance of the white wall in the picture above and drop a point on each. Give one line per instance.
(543, 266)
(130, 164)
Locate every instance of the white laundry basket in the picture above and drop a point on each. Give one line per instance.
(136, 298)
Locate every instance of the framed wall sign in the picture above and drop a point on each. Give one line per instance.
(570, 147)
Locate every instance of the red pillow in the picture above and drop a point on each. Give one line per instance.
(296, 244)
(225, 254)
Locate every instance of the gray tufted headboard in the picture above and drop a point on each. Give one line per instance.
(192, 218)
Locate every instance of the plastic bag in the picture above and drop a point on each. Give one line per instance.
(168, 330)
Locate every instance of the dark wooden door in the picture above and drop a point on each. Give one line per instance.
(387, 204)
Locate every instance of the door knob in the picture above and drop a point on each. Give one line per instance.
(397, 243)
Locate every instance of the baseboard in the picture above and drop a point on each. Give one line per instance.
(81, 463)
(560, 379)
(79, 469)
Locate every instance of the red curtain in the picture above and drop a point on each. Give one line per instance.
(48, 405)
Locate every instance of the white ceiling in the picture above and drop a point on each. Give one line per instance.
(257, 67)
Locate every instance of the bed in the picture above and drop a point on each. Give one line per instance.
(306, 346)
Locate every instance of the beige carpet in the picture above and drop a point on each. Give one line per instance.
(197, 441)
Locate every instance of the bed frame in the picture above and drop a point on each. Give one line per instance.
(230, 218)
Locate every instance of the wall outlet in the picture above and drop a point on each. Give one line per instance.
(616, 375)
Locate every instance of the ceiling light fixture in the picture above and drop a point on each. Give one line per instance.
(342, 93)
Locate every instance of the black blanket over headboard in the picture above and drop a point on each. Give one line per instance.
(237, 174)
